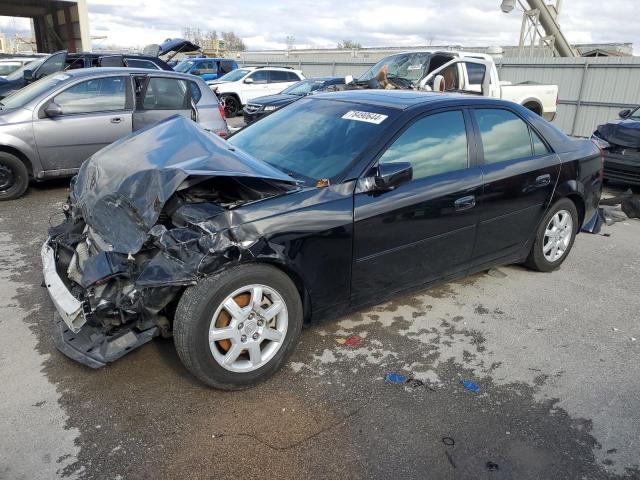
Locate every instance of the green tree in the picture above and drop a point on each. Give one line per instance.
(349, 45)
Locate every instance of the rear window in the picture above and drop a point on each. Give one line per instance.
(505, 136)
(314, 139)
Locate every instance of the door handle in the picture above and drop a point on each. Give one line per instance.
(116, 120)
(543, 180)
(465, 203)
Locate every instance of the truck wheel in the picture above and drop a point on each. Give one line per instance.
(231, 105)
(554, 237)
(236, 328)
(534, 107)
(14, 177)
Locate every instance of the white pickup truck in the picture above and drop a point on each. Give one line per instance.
(455, 71)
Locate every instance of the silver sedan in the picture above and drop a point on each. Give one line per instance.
(50, 127)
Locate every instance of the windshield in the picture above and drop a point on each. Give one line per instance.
(25, 95)
(184, 66)
(17, 74)
(234, 76)
(314, 139)
(636, 113)
(412, 66)
(304, 87)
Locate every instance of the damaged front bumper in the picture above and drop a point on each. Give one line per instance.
(73, 336)
(71, 310)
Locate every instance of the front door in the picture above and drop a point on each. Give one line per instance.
(424, 229)
(257, 86)
(158, 98)
(520, 174)
(95, 113)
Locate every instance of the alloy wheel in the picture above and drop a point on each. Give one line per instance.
(248, 328)
(557, 236)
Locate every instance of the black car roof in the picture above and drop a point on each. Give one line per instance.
(404, 99)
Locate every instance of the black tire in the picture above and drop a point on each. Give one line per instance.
(14, 177)
(231, 105)
(195, 312)
(536, 259)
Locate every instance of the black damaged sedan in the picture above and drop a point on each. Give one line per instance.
(336, 201)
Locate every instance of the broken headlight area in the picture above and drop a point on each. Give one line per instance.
(128, 299)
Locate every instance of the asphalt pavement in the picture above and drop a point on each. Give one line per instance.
(554, 357)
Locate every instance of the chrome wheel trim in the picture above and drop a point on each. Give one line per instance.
(256, 332)
(557, 236)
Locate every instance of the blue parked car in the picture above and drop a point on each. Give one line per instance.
(206, 68)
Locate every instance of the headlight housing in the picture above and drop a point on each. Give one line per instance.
(270, 108)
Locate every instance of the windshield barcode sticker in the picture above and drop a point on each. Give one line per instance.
(369, 117)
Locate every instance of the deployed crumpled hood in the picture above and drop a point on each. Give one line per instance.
(625, 133)
(121, 190)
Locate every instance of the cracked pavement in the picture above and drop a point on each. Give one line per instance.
(552, 354)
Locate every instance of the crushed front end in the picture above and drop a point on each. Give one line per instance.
(146, 218)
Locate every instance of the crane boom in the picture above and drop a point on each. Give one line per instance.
(550, 24)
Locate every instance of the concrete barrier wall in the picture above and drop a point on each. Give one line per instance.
(591, 90)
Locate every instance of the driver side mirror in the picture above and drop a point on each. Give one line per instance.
(624, 113)
(392, 175)
(248, 80)
(53, 110)
(28, 76)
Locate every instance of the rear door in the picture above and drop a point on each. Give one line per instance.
(160, 97)
(520, 173)
(279, 80)
(95, 113)
(424, 229)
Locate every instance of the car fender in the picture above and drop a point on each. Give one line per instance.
(25, 150)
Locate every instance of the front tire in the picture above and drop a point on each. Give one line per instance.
(231, 105)
(14, 177)
(554, 237)
(237, 328)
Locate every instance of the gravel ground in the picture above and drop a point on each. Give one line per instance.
(554, 356)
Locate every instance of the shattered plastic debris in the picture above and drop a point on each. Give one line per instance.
(351, 341)
(395, 378)
(470, 386)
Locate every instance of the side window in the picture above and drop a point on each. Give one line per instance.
(205, 67)
(504, 135)
(293, 77)
(166, 94)
(433, 145)
(475, 72)
(138, 63)
(261, 76)
(225, 67)
(196, 94)
(96, 95)
(278, 76)
(539, 148)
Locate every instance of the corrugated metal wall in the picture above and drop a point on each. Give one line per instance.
(591, 90)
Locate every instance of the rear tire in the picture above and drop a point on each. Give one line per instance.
(238, 346)
(554, 237)
(14, 177)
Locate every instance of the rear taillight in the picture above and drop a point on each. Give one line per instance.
(221, 110)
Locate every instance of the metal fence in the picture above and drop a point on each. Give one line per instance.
(591, 90)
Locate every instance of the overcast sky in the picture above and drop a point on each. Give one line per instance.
(323, 23)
